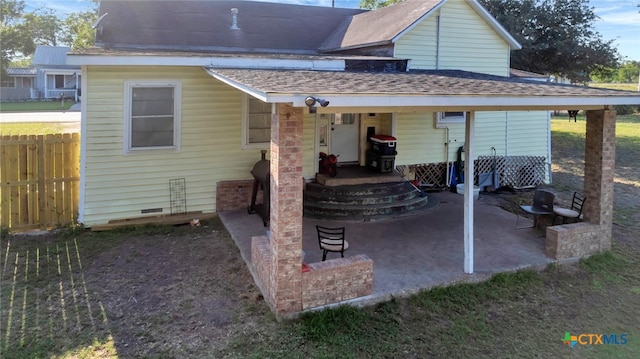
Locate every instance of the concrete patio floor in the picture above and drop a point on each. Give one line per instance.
(418, 251)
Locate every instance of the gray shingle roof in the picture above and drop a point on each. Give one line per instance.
(422, 83)
(206, 25)
(379, 26)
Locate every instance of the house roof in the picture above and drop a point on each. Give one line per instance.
(21, 71)
(443, 89)
(206, 25)
(380, 26)
(387, 24)
(50, 55)
(262, 26)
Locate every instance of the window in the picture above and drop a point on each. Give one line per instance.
(451, 117)
(60, 81)
(257, 123)
(152, 115)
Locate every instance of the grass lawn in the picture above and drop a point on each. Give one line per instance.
(31, 106)
(36, 128)
(616, 86)
(161, 292)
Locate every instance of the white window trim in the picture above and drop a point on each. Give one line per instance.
(245, 127)
(177, 102)
(449, 120)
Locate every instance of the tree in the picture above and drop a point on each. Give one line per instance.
(45, 28)
(629, 72)
(13, 36)
(374, 4)
(557, 37)
(20, 32)
(80, 33)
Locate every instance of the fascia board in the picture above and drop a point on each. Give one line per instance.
(222, 62)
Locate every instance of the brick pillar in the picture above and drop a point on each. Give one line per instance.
(286, 211)
(599, 166)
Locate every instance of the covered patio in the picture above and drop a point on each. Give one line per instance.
(419, 250)
(464, 252)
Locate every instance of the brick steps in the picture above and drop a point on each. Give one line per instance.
(362, 201)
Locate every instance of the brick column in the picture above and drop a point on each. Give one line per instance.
(286, 211)
(599, 166)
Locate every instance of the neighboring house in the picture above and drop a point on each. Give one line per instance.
(193, 90)
(53, 76)
(21, 77)
(19, 84)
(48, 77)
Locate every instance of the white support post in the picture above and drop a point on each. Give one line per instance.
(468, 192)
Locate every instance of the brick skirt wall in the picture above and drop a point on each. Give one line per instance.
(327, 282)
(233, 195)
(337, 280)
(575, 240)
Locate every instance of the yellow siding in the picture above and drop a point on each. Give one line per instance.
(514, 134)
(420, 142)
(120, 186)
(490, 131)
(528, 133)
(419, 45)
(467, 42)
(309, 155)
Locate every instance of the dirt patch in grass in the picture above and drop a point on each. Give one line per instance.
(159, 292)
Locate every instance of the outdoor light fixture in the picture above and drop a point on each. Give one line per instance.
(311, 102)
(573, 114)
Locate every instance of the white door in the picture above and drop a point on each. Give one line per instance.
(344, 136)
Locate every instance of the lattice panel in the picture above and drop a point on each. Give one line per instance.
(178, 196)
(430, 174)
(513, 171)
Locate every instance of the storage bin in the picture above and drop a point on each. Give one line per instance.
(384, 145)
(460, 190)
(381, 163)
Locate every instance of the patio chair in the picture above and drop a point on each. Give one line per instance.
(331, 240)
(542, 205)
(574, 212)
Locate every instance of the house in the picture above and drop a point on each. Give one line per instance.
(54, 78)
(49, 76)
(18, 83)
(189, 92)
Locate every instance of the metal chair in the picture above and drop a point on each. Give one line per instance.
(542, 205)
(331, 240)
(574, 212)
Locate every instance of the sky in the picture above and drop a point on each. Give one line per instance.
(619, 19)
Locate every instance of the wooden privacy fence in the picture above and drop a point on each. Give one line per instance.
(39, 180)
